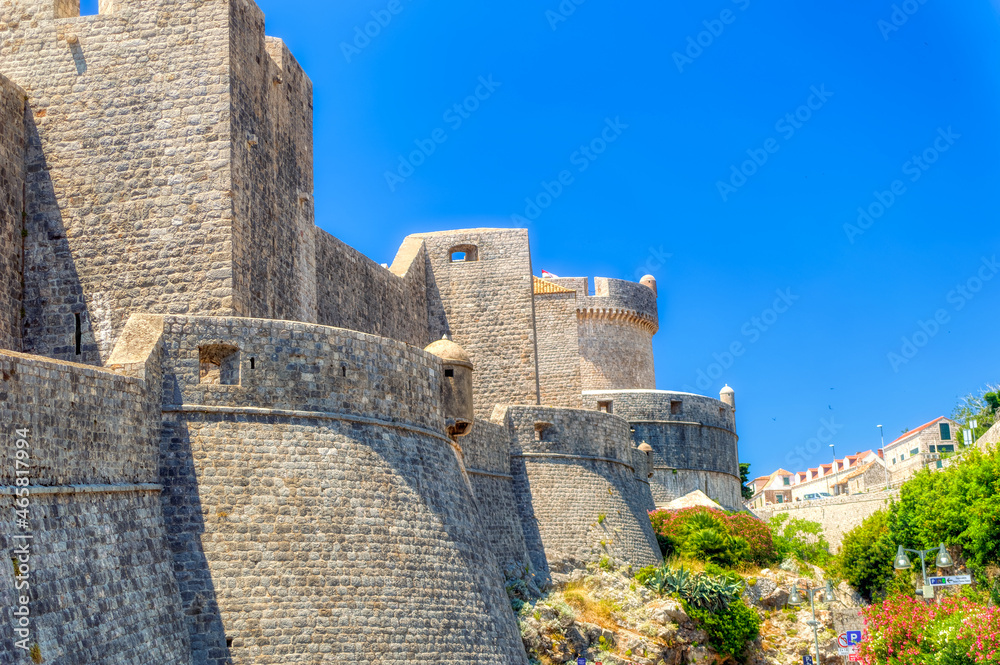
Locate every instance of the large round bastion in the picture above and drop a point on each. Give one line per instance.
(315, 508)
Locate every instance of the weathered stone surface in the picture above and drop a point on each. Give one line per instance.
(693, 438)
(11, 211)
(577, 493)
(315, 508)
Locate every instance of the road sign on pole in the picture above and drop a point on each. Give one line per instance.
(807, 660)
(954, 579)
(854, 637)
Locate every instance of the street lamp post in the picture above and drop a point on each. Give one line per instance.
(833, 451)
(943, 560)
(795, 598)
(885, 462)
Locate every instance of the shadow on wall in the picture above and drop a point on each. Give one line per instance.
(590, 510)
(427, 550)
(185, 525)
(52, 289)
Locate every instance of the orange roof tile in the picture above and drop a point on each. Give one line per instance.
(907, 435)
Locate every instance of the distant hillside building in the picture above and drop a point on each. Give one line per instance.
(920, 448)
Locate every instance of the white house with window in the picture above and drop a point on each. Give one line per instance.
(921, 447)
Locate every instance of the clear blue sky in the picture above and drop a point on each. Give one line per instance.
(656, 186)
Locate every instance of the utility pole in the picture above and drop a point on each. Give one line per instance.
(885, 462)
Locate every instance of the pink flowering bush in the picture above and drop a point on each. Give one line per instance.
(907, 631)
(745, 536)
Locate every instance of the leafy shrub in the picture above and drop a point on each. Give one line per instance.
(957, 506)
(955, 631)
(801, 538)
(866, 556)
(713, 535)
(730, 631)
(756, 534)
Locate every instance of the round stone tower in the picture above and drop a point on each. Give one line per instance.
(456, 385)
(616, 328)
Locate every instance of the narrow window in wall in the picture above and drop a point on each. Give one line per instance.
(606, 407)
(78, 337)
(449, 372)
(945, 432)
(463, 253)
(252, 363)
(675, 407)
(219, 364)
(343, 370)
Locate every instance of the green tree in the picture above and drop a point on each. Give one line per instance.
(745, 479)
(984, 407)
(800, 537)
(958, 506)
(866, 555)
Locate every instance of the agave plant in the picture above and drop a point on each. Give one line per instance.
(714, 593)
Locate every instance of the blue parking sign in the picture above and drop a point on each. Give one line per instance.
(581, 661)
(854, 637)
(807, 660)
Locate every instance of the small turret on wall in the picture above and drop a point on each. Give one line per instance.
(456, 386)
(728, 396)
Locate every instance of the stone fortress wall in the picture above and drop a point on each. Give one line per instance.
(484, 302)
(11, 211)
(232, 409)
(693, 438)
(488, 465)
(101, 579)
(585, 500)
(560, 382)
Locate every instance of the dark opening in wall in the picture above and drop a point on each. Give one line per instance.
(252, 363)
(229, 642)
(220, 364)
(78, 336)
(675, 407)
(463, 253)
(544, 431)
(722, 411)
(343, 370)
(606, 407)
(449, 372)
